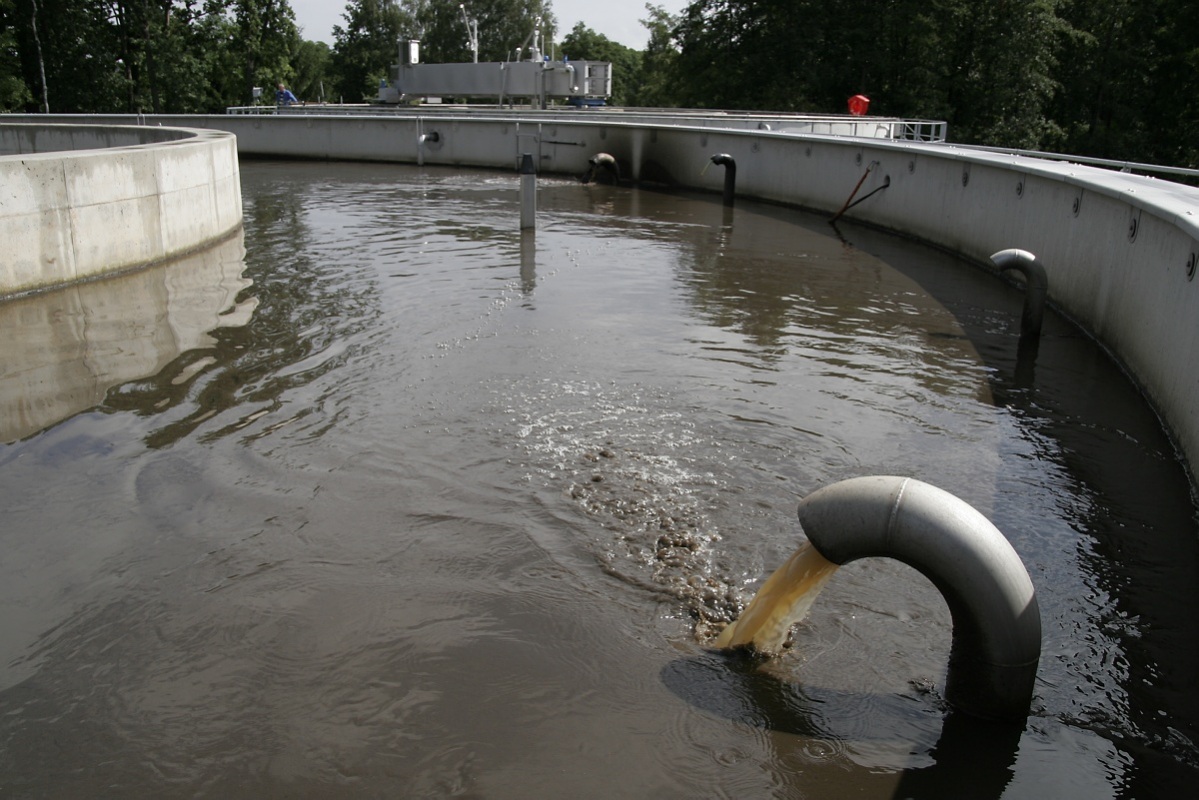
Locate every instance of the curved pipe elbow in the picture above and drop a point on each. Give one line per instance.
(1036, 287)
(730, 175)
(606, 160)
(602, 163)
(996, 621)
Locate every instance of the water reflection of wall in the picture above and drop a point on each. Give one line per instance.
(78, 342)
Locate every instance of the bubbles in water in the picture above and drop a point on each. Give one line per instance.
(626, 463)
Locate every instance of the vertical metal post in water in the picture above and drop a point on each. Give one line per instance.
(528, 192)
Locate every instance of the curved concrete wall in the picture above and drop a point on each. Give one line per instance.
(81, 201)
(1120, 250)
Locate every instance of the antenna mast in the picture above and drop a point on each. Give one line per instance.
(472, 32)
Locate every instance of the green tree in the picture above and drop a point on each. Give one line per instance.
(182, 52)
(752, 54)
(503, 26)
(311, 64)
(220, 62)
(14, 93)
(157, 52)
(1099, 106)
(1128, 81)
(889, 51)
(655, 84)
(1174, 100)
(160, 56)
(366, 47)
(987, 67)
(70, 55)
(808, 55)
(103, 56)
(263, 37)
(1000, 72)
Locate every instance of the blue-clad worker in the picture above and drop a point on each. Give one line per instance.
(284, 97)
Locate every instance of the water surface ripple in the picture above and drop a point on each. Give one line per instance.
(385, 499)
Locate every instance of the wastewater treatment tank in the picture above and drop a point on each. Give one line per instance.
(400, 501)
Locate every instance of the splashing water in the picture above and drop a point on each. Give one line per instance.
(782, 601)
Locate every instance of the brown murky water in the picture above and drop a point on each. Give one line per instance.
(782, 602)
(407, 505)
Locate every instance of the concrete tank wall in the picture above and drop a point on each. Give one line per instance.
(1120, 250)
(81, 201)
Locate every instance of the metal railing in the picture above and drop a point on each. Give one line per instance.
(921, 131)
(832, 124)
(250, 110)
(1107, 163)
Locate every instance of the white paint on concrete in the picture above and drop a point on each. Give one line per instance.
(82, 201)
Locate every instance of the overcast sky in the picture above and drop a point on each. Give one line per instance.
(616, 19)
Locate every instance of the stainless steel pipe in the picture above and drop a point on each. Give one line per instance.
(1035, 289)
(730, 176)
(996, 621)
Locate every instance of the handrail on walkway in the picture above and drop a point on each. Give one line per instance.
(1121, 166)
(898, 129)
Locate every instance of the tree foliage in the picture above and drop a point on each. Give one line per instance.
(160, 56)
(311, 65)
(366, 46)
(1129, 81)
(987, 67)
(263, 33)
(1109, 78)
(14, 94)
(503, 26)
(1114, 78)
(659, 61)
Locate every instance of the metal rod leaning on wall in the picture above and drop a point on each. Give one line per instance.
(869, 194)
(852, 194)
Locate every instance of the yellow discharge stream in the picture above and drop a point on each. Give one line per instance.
(781, 602)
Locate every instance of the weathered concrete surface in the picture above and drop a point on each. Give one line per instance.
(1121, 250)
(81, 201)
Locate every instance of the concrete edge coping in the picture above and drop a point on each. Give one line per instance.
(159, 135)
(161, 139)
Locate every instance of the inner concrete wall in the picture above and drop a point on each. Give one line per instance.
(1120, 250)
(81, 201)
